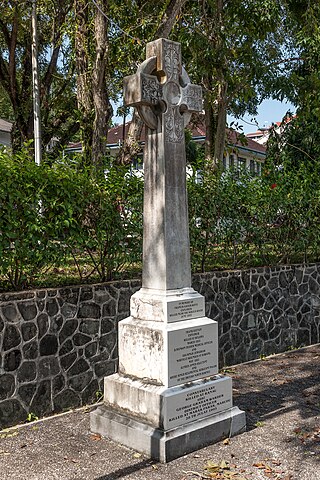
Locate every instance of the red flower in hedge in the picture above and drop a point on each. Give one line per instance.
(273, 186)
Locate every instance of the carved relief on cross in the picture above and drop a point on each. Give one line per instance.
(161, 85)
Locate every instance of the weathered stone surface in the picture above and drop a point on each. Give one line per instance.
(7, 384)
(48, 367)
(103, 369)
(48, 345)
(52, 307)
(11, 338)
(80, 366)
(91, 349)
(58, 384)
(89, 326)
(30, 350)
(26, 393)
(69, 295)
(80, 339)
(89, 394)
(43, 324)
(10, 312)
(52, 292)
(56, 324)
(86, 293)
(80, 382)
(41, 402)
(110, 309)
(66, 398)
(68, 329)
(107, 341)
(29, 331)
(68, 310)
(67, 346)
(11, 412)
(89, 310)
(68, 360)
(27, 372)
(28, 310)
(12, 360)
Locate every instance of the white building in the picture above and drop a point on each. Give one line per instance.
(5, 133)
(261, 136)
(239, 151)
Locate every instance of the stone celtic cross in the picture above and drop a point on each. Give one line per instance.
(166, 399)
(165, 99)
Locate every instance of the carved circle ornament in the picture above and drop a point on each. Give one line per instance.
(172, 93)
(162, 92)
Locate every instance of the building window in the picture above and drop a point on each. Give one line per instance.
(224, 163)
(258, 168)
(231, 161)
(241, 163)
(252, 167)
(137, 163)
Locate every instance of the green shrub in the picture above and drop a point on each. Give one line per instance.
(237, 220)
(51, 211)
(26, 248)
(109, 226)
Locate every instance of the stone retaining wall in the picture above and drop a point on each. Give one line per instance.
(57, 344)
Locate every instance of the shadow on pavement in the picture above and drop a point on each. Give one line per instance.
(123, 472)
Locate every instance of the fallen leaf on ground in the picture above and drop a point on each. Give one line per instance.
(226, 441)
(95, 436)
(200, 475)
(137, 455)
(222, 471)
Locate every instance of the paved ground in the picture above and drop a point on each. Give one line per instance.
(280, 394)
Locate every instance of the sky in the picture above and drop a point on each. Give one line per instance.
(270, 111)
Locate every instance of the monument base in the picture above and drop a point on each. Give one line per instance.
(166, 445)
(166, 423)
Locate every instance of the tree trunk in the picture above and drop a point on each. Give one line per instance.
(130, 147)
(100, 93)
(216, 109)
(84, 77)
(209, 124)
(221, 121)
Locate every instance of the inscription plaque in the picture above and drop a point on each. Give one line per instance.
(198, 401)
(192, 353)
(186, 309)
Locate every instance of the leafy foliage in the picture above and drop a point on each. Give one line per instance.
(49, 212)
(237, 220)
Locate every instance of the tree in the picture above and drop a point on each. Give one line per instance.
(56, 69)
(233, 50)
(299, 141)
(91, 44)
(164, 23)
